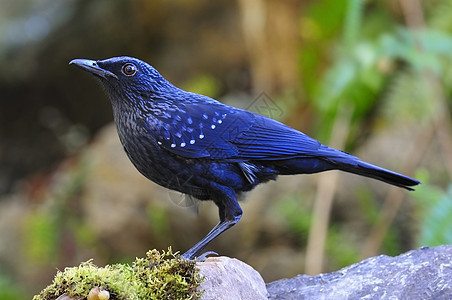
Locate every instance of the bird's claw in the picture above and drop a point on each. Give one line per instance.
(199, 258)
(203, 256)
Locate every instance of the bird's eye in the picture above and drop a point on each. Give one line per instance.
(129, 69)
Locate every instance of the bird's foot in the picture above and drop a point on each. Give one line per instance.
(199, 258)
(203, 256)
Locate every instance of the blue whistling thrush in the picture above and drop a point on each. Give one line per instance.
(198, 146)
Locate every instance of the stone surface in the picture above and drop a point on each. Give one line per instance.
(229, 278)
(425, 273)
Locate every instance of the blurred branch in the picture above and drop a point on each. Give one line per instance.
(254, 18)
(327, 183)
(266, 25)
(412, 11)
(324, 198)
(442, 122)
(396, 195)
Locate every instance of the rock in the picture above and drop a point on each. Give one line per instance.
(229, 278)
(425, 273)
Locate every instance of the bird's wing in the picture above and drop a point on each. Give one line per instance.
(270, 139)
(200, 130)
(217, 131)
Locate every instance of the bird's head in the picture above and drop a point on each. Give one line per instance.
(125, 78)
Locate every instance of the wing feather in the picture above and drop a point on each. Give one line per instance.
(270, 139)
(212, 130)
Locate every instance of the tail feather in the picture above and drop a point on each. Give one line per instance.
(372, 171)
(329, 159)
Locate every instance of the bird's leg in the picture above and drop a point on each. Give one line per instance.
(230, 214)
(196, 250)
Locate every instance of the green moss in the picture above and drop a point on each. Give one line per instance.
(157, 276)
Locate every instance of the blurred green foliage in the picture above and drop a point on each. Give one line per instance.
(296, 214)
(10, 290)
(435, 224)
(44, 228)
(203, 84)
(435, 213)
(158, 220)
(341, 249)
(41, 238)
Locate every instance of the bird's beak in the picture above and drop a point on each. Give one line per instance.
(92, 67)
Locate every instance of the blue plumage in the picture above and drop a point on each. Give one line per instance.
(199, 146)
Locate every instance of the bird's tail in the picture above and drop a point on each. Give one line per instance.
(365, 169)
(331, 159)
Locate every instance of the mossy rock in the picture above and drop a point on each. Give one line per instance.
(157, 276)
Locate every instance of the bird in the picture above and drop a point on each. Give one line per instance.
(208, 150)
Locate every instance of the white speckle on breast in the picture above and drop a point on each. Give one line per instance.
(213, 126)
(201, 136)
(192, 142)
(205, 116)
(173, 145)
(182, 144)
